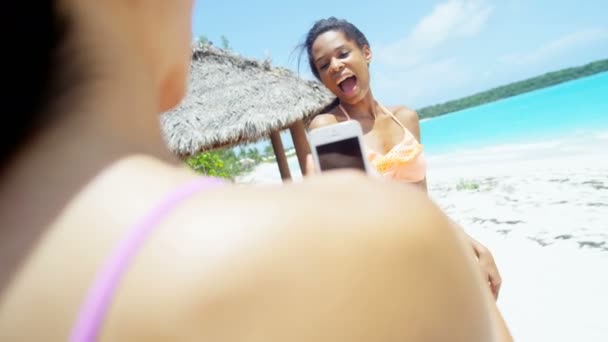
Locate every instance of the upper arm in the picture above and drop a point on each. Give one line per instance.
(295, 265)
(216, 276)
(409, 118)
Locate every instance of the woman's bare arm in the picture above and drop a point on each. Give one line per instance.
(261, 264)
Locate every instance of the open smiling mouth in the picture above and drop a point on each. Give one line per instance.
(348, 85)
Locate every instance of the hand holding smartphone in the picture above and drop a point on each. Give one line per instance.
(338, 146)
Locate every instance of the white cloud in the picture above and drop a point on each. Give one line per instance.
(427, 83)
(409, 70)
(448, 20)
(455, 18)
(559, 46)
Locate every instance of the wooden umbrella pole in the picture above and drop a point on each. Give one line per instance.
(279, 153)
(300, 142)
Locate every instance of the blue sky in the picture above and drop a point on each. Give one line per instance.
(425, 52)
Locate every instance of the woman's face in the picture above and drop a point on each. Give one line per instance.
(343, 66)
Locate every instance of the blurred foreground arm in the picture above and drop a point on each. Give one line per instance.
(361, 271)
(485, 259)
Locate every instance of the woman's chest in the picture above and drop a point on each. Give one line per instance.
(383, 136)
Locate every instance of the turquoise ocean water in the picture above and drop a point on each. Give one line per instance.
(571, 112)
(577, 108)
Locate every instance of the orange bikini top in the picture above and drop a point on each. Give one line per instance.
(404, 161)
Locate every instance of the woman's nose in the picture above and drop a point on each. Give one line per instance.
(336, 65)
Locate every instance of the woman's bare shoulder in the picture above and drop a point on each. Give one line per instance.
(405, 114)
(245, 250)
(408, 118)
(321, 120)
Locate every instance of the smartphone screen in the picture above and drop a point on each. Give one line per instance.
(341, 154)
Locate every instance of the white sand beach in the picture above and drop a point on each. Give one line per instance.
(542, 209)
(546, 221)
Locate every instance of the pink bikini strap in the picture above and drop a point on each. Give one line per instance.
(344, 111)
(99, 298)
(394, 118)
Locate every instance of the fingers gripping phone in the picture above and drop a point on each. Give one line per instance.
(338, 146)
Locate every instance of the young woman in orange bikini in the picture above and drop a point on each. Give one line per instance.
(339, 56)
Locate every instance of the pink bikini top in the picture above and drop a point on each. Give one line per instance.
(99, 298)
(404, 161)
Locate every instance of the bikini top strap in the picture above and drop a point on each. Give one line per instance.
(344, 111)
(99, 297)
(386, 111)
(394, 118)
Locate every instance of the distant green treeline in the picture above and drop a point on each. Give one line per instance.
(514, 89)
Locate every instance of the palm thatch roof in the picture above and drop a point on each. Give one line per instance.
(233, 100)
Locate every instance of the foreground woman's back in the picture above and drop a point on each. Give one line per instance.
(235, 264)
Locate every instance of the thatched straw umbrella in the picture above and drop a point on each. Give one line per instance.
(233, 100)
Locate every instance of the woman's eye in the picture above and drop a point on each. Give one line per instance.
(344, 54)
(323, 67)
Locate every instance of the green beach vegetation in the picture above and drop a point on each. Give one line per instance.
(514, 89)
(226, 163)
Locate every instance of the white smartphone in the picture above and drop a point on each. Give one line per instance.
(338, 146)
